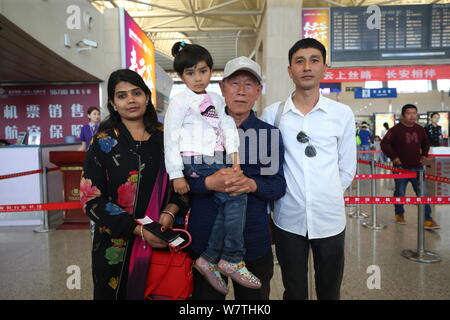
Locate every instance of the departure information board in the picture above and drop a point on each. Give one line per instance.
(405, 32)
(440, 26)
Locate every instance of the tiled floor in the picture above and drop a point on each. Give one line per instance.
(34, 266)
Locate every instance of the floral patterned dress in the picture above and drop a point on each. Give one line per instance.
(120, 176)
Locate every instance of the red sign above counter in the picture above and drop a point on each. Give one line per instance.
(53, 111)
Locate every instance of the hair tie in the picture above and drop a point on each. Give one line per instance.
(182, 45)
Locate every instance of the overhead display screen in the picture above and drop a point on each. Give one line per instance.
(404, 32)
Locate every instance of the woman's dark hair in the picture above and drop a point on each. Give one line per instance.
(306, 44)
(91, 109)
(127, 75)
(386, 125)
(433, 114)
(188, 55)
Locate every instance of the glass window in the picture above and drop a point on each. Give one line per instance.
(408, 86)
(373, 84)
(443, 85)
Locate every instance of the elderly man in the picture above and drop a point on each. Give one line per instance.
(261, 156)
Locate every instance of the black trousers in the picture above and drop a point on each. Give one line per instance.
(292, 252)
(262, 268)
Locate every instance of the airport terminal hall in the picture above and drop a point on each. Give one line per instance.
(225, 150)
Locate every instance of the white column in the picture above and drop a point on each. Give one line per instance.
(281, 28)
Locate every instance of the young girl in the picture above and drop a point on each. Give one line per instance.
(197, 136)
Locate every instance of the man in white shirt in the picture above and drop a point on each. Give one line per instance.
(320, 163)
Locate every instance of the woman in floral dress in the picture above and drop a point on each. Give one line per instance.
(124, 179)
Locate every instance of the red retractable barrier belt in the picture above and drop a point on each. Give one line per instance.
(397, 200)
(383, 166)
(20, 174)
(430, 155)
(436, 178)
(426, 176)
(26, 173)
(348, 200)
(40, 206)
(385, 176)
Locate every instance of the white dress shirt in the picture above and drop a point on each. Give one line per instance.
(185, 129)
(314, 199)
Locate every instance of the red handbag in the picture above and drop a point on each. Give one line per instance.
(169, 275)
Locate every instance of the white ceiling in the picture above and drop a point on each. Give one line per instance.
(214, 24)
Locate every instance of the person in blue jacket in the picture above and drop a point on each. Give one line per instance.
(366, 139)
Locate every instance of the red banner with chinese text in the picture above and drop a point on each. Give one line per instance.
(53, 110)
(387, 73)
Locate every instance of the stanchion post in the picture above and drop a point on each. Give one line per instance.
(373, 225)
(421, 255)
(420, 218)
(373, 160)
(351, 206)
(358, 214)
(44, 227)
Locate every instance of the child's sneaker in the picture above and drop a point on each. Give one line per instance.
(239, 273)
(211, 274)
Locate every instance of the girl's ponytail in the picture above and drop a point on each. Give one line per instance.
(177, 47)
(188, 55)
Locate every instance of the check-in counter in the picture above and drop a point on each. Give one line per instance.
(71, 165)
(439, 166)
(29, 189)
